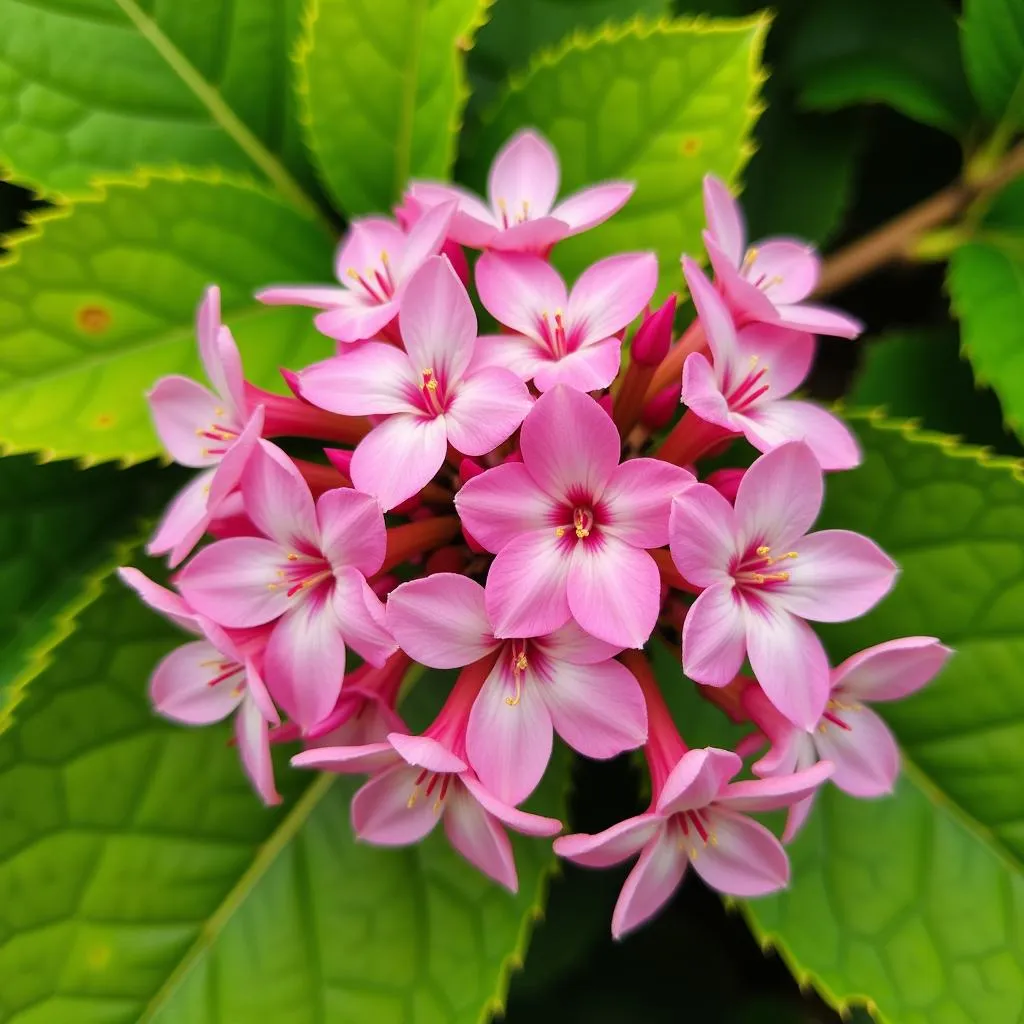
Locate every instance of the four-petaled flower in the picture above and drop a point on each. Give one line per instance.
(521, 213)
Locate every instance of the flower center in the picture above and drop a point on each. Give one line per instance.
(748, 389)
(519, 667)
(751, 568)
(303, 573)
(223, 671)
(518, 216)
(377, 283)
(831, 715)
(697, 831)
(430, 389)
(431, 779)
(583, 523)
(222, 436)
(553, 333)
(747, 272)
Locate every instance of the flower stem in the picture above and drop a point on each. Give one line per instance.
(321, 477)
(671, 369)
(291, 417)
(691, 438)
(670, 575)
(629, 400)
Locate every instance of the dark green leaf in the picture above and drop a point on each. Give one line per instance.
(993, 45)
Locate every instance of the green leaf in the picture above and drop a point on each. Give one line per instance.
(661, 105)
(986, 285)
(58, 527)
(910, 903)
(100, 302)
(97, 87)
(384, 89)
(142, 881)
(993, 46)
(905, 54)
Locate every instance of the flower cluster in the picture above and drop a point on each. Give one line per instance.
(527, 507)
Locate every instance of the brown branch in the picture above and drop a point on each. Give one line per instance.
(896, 239)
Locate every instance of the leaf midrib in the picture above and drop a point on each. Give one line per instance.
(407, 108)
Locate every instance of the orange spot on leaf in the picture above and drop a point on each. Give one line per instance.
(690, 146)
(93, 319)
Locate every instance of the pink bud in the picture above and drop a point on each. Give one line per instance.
(726, 482)
(654, 336)
(340, 459)
(469, 468)
(658, 412)
(291, 379)
(606, 403)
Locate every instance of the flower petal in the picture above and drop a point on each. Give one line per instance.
(517, 353)
(399, 457)
(533, 236)
(742, 298)
(774, 423)
(425, 752)
(524, 176)
(160, 599)
(519, 821)
(385, 813)
(775, 793)
(819, 320)
(785, 355)
(779, 497)
(570, 444)
(486, 410)
(473, 223)
(316, 296)
(702, 393)
(724, 218)
(592, 206)
(370, 379)
(508, 737)
(697, 779)
(745, 860)
(716, 320)
(182, 410)
(864, 755)
(518, 288)
(223, 365)
(351, 529)
(590, 368)
(368, 757)
(184, 521)
(574, 644)
(424, 239)
(598, 709)
(277, 499)
(837, 575)
(651, 884)
(611, 294)
(891, 670)
(441, 620)
(479, 838)
(227, 475)
(714, 636)
(183, 686)
(361, 615)
(786, 269)
(252, 734)
(702, 535)
(613, 845)
(502, 503)
(638, 500)
(360, 250)
(526, 586)
(614, 590)
(798, 815)
(356, 321)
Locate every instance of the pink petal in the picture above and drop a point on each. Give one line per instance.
(516, 289)
(784, 354)
(184, 521)
(614, 590)
(702, 535)
(160, 599)
(524, 176)
(716, 320)
(425, 239)
(789, 661)
(742, 298)
(208, 322)
(181, 685)
(724, 219)
(385, 812)
(651, 883)
(570, 444)
(479, 838)
(787, 270)
(638, 500)
(356, 322)
(864, 755)
(519, 821)
(837, 575)
(353, 760)
(612, 293)
(502, 503)
(360, 250)
(598, 709)
(779, 498)
(574, 644)
(253, 737)
(517, 353)
(526, 586)
(534, 236)
(774, 423)
(351, 530)
(228, 473)
(714, 636)
(371, 379)
(702, 393)
(697, 779)
(399, 457)
(361, 615)
(235, 582)
(277, 499)
(223, 364)
(316, 296)
(590, 368)
(592, 206)
(257, 692)
(775, 793)
(746, 860)
(819, 320)
(888, 671)
(486, 411)
(473, 223)
(304, 661)
(798, 815)
(182, 410)
(441, 620)
(425, 752)
(613, 845)
(437, 322)
(508, 738)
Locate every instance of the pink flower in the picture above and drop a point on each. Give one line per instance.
(745, 387)
(206, 680)
(430, 393)
(850, 735)
(521, 214)
(202, 428)
(374, 263)
(417, 780)
(764, 575)
(570, 526)
(307, 574)
(565, 682)
(563, 338)
(769, 281)
(697, 816)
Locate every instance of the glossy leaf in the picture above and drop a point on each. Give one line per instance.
(141, 879)
(993, 45)
(909, 903)
(92, 87)
(384, 88)
(986, 285)
(683, 98)
(99, 301)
